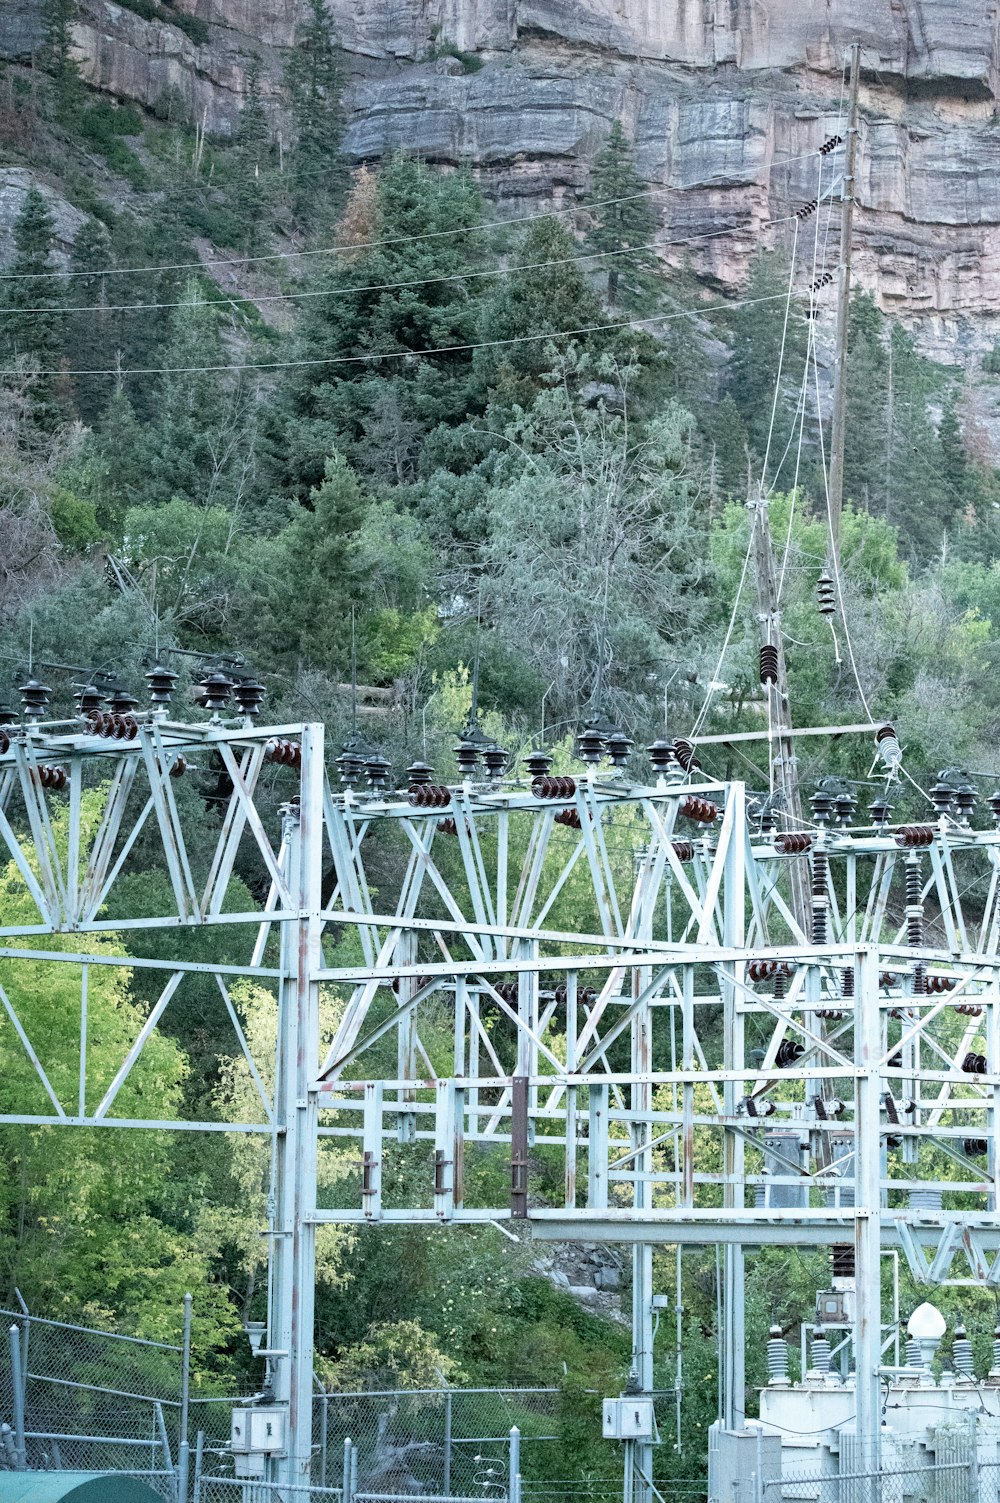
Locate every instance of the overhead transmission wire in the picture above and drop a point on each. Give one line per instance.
(361, 245)
(458, 276)
(402, 354)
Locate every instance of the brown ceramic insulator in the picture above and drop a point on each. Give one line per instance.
(702, 810)
(912, 837)
(570, 818)
(52, 777)
(936, 984)
(429, 796)
(789, 1050)
(762, 970)
(684, 850)
(768, 664)
(4, 741)
(553, 787)
(969, 1009)
(793, 842)
(447, 827)
(284, 753)
(974, 1064)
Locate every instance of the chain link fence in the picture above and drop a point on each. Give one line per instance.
(75, 1398)
(965, 1481)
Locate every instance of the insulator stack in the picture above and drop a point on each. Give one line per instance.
(661, 755)
(161, 681)
(4, 742)
(701, 810)
(495, 758)
(112, 727)
(820, 1353)
(619, 748)
(35, 698)
(283, 753)
(447, 827)
(507, 991)
(467, 757)
(554, 787)
(914, 837)
(214, 691)
(780, 985)
(826, 595)
(887, 978)
(847, 981)
(788, 1052)
(766, 970)
(685, 753)
(914, 1356)
(804, 210)
(249, 695)
(350, 764)
(965, 798)
(417, 982)
(377, 772)
(590, 745)
(844, 806)
(777, 1356)
(995, 1368)
(880, 810)
(968, 1009)
(684, 850)
(55, 778)
(429, 796)
(821, 281)
(178, 766)
(821, 805)
(8, 715)
(768, 664)
(888, 747)
(820, 896)
(994, 802)
(830, 1014)
(767, 819)
(936, 984)
(570, 818)
(89, 700)
(830, 145)
(975, 1148)
(539, 764)
(961, 1353)
(915, 920)
(585, 995)
(793, 842)
(974, 1064)
(942, 795)
(419, 775)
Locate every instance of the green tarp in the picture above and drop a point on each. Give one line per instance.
(80, 1487)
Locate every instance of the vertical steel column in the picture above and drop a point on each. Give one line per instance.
(406, 1046)
(732, 977)
(183, 1445)
(868, 1198)
(642, 1252)
(296, 1113)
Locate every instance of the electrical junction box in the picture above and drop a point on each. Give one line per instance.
(628, 1418)
(258, 1431)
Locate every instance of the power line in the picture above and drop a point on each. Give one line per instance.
(459, 276)
(344, 250)
(404, 354)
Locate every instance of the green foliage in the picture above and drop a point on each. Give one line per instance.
(253, 186)
(623, 226)
(762, 343)
(314, 80)
(57, 54)
(31, 329)
(163, 10)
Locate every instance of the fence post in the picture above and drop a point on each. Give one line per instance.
(183, 1448)
(514, 1469)
(354, 1471)
(199, 1450)
(164, 1440)
(447, 1443)
(324, 1425)
(973, 1457)
(347, 1470)
(17, 1383)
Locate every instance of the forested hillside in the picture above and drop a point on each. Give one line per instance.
(340, 422)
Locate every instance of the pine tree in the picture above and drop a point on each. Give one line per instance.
(759, 334)
(867, 405)
(57, 53)
(623, 224)
(31, 326)
(189, 406)
(252, 176)
(314, 79)
(412, 296)
(91, 335)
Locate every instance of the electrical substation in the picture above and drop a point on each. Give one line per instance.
(852, 1106)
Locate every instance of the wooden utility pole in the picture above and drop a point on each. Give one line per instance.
(847, 196)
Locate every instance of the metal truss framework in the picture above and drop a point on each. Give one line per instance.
(604, 991)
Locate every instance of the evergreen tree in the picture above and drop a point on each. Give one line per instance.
(727, 433)
(535, 299)
(758, 333)
(91, 335)
(919, 498)
(31, 326)
(866, 405)
(412, 295)
(314, 79)
(181, 441)
(252, 176)
(57, 53)
(623, 224)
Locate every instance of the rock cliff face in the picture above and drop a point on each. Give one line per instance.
(727, 100)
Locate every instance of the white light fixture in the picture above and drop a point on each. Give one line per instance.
(926, 1325)
(255, 1330)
